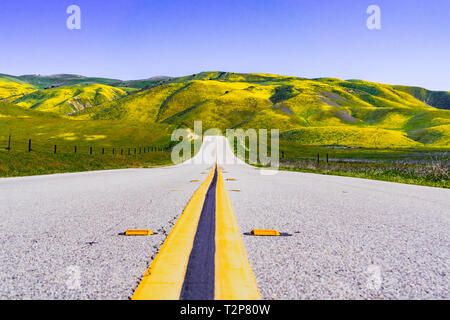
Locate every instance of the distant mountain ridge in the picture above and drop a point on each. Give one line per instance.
(59, 80)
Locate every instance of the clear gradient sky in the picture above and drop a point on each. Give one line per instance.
(135, 39)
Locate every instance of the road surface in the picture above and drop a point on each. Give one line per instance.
(349, 238)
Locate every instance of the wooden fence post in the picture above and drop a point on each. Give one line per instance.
(327, 158)
(55, 149)
(9, 143)
(75, 149)
(29, 145)
(90, 150)
(318, 159)
(113, 151)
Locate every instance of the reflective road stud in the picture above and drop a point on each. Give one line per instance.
(138, 232)
(264, 232)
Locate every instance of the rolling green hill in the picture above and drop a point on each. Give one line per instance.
(69, 99)
(61, 100)
(12, 88)
(437, 99)
(322, 111)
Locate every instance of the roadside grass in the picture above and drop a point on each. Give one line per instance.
(15, 164)
(425, 166)
(434, 174)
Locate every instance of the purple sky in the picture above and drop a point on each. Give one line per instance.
(134, 39)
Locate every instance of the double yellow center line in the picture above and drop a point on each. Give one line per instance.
(233, 276)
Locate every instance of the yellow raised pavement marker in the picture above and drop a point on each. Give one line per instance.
(195, 180)
(234, 278)
(138, 232)
(264, 232)
(231, 179)
(164, 278)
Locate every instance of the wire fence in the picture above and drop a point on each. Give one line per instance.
(35, 145)
(318, 157)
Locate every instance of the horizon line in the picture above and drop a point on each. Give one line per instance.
(180, 76)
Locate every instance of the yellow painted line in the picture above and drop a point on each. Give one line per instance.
(234, 278)
(138, 232)
(164, 278)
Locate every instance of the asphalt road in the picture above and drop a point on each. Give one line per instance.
(350, 238)
(59, 234)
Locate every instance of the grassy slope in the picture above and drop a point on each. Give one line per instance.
(142, 106)
(63, 100)
(438, 99)
(11, 88)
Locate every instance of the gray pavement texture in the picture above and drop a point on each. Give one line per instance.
(351, 238)
(59, 234)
